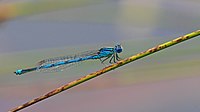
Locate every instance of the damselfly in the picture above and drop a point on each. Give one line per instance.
(60, 63)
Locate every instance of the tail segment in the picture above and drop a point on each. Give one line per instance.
(22, 71)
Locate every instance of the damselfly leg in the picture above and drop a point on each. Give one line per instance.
(117, 57)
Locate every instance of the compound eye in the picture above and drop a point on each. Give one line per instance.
(119, 50)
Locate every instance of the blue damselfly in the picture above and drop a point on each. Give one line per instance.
(60, 63)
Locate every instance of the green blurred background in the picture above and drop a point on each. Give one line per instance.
(168, 81)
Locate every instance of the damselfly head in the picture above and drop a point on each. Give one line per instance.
(118, 48)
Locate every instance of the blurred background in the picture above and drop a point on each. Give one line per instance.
(167, 81)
